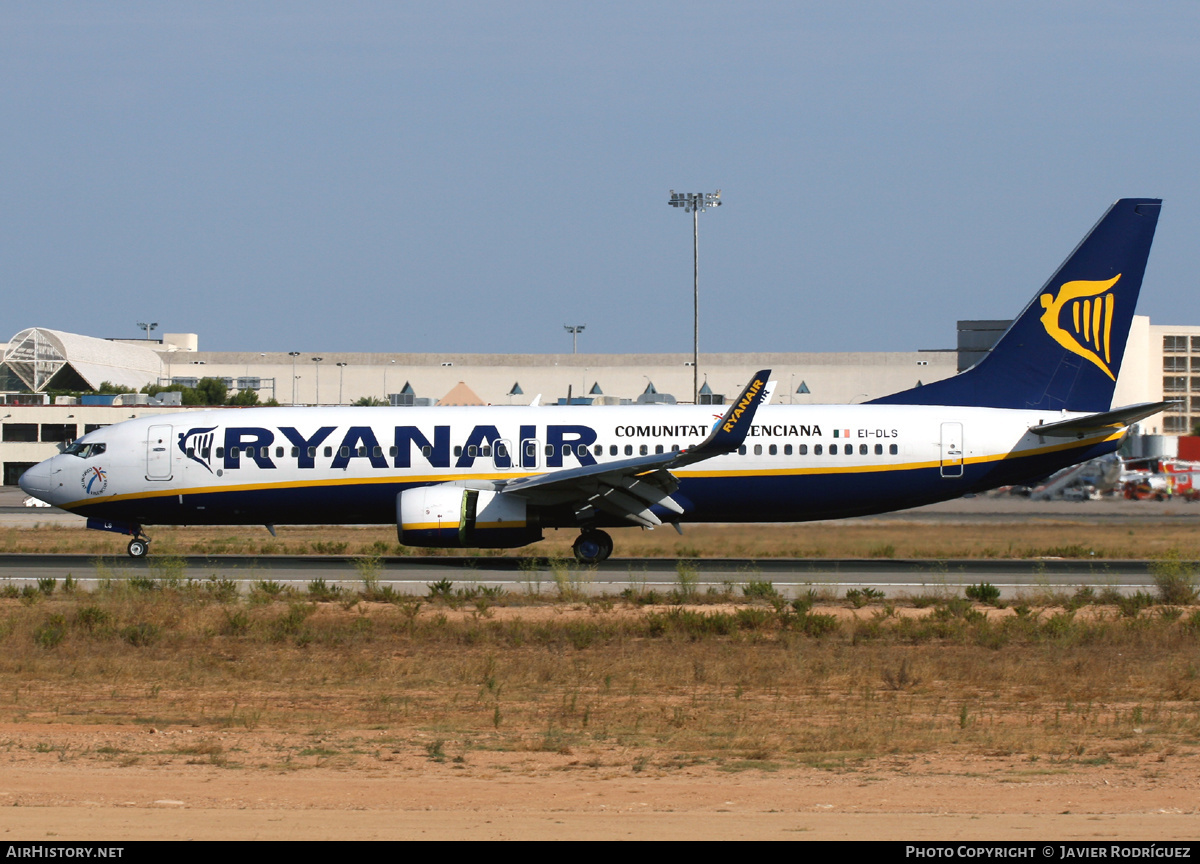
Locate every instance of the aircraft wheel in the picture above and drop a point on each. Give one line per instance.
(592, 547)
(138, 548)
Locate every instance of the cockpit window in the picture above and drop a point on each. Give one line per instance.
(85, 451)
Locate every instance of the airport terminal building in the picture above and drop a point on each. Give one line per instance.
(1161, 362)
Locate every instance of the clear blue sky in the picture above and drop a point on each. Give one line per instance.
(450, 176)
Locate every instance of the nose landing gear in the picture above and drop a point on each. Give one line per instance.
(139, 545)
(592, 547)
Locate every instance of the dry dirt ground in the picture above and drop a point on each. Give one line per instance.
(62, 780)
(553, 796)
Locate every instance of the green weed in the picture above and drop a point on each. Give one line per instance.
(1175, 579)
(984, 592)
(759, 590)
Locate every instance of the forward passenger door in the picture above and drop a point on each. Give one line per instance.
(158, 453)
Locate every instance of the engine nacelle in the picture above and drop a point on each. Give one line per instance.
(451, 516)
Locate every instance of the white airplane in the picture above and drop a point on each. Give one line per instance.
(497, 476)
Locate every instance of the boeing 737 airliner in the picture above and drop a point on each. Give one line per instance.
(497, 476)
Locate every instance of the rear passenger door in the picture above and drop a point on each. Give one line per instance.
(952, 449)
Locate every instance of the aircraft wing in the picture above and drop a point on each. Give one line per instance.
(1114, 419)
(628, 488)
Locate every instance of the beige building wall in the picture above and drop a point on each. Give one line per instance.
(1174, 373)
(846, 377)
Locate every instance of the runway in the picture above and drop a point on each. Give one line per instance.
(979, 509)
(894, 577)
(412, 575)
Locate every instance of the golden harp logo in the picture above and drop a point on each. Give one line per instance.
(1092, 306)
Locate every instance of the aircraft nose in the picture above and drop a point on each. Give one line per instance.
(36, 481)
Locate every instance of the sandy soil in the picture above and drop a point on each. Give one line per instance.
(123, 781)
(57, 782)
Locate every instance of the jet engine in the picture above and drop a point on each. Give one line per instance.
(453, 516)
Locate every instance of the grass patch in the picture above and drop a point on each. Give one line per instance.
(893, 538)
(984, 592)
(751, 684)
(1175, 578)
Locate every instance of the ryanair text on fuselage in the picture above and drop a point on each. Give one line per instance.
(553, 443)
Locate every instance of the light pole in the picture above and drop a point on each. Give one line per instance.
(385, 393)
(341, 378)
(147, 327)
(318, 360)
(262, 359)
(695, 203)
(294, 355)
(574, 330)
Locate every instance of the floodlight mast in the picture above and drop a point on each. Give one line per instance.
(341, 379)
(574, 330)
(695, 203)
(294, 355)
(317, 374)
(147, 327)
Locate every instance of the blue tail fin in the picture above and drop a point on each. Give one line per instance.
(1065, 350)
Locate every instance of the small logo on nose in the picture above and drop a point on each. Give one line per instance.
(95, 480)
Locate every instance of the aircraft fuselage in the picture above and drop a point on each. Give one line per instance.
(346, 465)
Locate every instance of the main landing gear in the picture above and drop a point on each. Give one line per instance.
(592, 547)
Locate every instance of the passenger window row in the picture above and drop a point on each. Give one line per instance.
(501, 451)
(818, 450)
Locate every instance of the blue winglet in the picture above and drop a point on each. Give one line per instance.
(725, 437)
(731, 431)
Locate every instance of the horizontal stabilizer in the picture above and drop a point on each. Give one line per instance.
(1114, 419)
